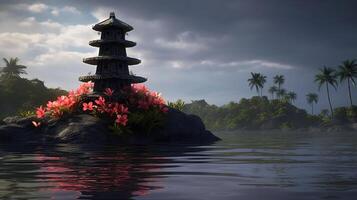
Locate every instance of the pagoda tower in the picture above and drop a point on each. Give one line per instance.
(112, 61)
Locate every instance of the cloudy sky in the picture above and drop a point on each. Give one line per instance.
(190, 49)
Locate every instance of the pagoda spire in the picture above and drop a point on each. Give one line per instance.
(112, 61)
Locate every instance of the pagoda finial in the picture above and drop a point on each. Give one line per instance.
(112, 15)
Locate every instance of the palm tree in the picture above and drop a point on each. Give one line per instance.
(281, 93)
(312, 98)
(327, 76)
(255, 81)
(272, 90)
(279, 79)
(12, 69)
(348, 71)
(291, 96)
(263, 80)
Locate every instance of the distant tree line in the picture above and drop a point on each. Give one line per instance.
(278, 112)
(326, 77)
(256, 113)
(17, 94)
(258, 81)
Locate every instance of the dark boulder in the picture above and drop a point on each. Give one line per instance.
(180, 126)
(21, 121)
(14, 133)
(81, 128)
(87, 129)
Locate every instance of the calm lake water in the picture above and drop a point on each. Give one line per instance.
(242, 166)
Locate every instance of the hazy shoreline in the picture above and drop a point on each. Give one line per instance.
(346, 128)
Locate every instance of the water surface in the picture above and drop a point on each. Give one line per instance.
(241, 166)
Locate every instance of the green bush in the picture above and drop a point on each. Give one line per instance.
(20, 94)
(146, 121)
(178, 105)
(251, 113)
(26, 113)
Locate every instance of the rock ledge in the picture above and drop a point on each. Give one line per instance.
(87, 129)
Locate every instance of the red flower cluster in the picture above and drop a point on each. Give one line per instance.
(116, 109)
(141, 97)
(64, 103)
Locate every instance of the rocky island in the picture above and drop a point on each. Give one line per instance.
(109, 108)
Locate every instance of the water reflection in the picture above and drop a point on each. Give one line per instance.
(242, 166)
(78, 172)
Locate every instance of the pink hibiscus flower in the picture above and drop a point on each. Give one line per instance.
(121, 120)
(88, 106)
(40, 112)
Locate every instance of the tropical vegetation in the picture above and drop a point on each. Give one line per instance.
(312, 98)
(12, 68)
(279, 80)
(290, 97)
(140, 112)
(254, 113)
(348, 71)
(273, 90)
(257, 81)
(327, 76)
(178, 105)
(19, 95)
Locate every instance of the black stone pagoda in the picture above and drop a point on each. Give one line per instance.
(112, 62)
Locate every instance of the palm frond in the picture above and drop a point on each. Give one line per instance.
(6, 61)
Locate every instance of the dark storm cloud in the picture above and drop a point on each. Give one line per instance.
(300, 33)
(294, 32)
(212, 45)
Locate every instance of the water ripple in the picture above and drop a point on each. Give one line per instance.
(240, 166)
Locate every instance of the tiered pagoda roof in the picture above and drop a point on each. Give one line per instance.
(112, 22)
(112, 62)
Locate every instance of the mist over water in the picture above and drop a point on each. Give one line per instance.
(242, 166)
